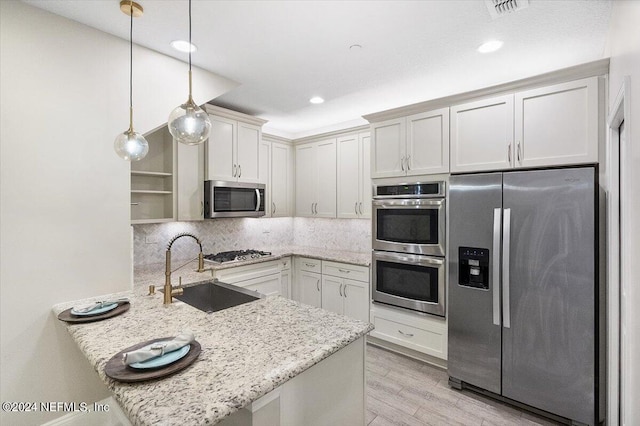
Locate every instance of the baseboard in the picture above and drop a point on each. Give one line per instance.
(437, 362)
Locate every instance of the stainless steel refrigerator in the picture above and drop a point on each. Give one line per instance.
(524, 314)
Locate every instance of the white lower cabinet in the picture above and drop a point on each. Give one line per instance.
(329, 393)
(263, 277)
(337, 287)
(346, 296)
(421, 333)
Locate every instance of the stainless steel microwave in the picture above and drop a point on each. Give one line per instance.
(233, 199)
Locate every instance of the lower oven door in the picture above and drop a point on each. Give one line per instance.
(409, 281)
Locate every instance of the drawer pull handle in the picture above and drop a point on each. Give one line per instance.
(405, 334)
(310, 265)
(346, 271)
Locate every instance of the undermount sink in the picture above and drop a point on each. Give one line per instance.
(212, 296)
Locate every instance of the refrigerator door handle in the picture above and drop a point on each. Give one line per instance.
(506, 242)
(497, 218)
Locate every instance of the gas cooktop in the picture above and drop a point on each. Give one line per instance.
(236, 255)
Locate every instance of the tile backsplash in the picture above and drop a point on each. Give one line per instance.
(150, 241)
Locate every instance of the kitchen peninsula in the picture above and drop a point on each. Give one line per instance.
(272, 358)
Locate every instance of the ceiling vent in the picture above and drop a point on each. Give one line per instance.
(498, 8)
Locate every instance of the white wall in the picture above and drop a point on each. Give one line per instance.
(624, 49)
(64, 220)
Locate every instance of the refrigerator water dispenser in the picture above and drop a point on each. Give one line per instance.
(473, 267)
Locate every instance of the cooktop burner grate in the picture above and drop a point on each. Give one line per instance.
(230, 256)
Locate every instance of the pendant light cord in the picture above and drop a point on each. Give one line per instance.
(131, 67)
(190, 48)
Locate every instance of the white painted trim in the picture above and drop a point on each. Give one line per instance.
(590, 69)
(275, 138)
(234, 115)
(332, 134)
(615, 276)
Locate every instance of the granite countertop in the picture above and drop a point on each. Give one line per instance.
(247, 351)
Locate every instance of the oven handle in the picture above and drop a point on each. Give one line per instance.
(497, 218)
(409, 202)
(409, 258)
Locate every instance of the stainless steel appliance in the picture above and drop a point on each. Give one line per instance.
(409, 281)
(236, 255)
(409, 218)
(233, 199)
(524, 306)
(409, 246)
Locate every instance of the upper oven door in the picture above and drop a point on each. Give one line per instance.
(409, 226)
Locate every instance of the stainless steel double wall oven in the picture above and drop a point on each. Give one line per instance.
(409, 246)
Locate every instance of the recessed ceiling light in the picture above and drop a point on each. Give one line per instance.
(316, 100)
(355, 47)
(490, 46)
(183, 46)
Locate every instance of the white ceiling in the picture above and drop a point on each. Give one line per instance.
(285, 52)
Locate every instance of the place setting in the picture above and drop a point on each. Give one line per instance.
(95, 311)
(154, 358)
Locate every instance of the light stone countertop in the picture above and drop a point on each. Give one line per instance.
(247, 351)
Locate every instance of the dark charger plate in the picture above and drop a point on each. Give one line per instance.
(117, 370)
(67, 316)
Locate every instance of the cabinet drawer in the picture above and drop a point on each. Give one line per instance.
(285, 263)
(419, 333)
(310, 265)
(344, 270)
(248, 272)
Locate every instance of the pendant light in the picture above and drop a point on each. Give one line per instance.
(131, 145)
(188, 123)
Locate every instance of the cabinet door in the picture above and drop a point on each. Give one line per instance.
(428, 142)
(482, 135)
(332, 299)
(265, 174)
(306, 179)
(356, 299)
(309, 289)
(281, 178)
(285, 283)
(248, 148)
(364, 208)
(349, 180)
(388, 145)
(190, 181)
(557, 125)
(326, 178)
(270, 285)
(220, 151)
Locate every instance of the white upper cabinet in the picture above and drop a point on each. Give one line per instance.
(428, 143)
(265, 174)
(482, 135)
(558, 124)
(220, 155)
(549, 126)
(190, 181)
(281, 179)
(413, 145)
(354, 176)
(389, 147)
(247, 152)
(233, 148)
(316, 179)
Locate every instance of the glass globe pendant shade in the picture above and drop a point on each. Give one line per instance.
(189, 124)
(131, 146)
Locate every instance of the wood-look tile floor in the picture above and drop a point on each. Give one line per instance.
(402, 391)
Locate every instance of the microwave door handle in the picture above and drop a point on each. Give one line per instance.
(506, 243)
(497, 216)
(258, 199)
